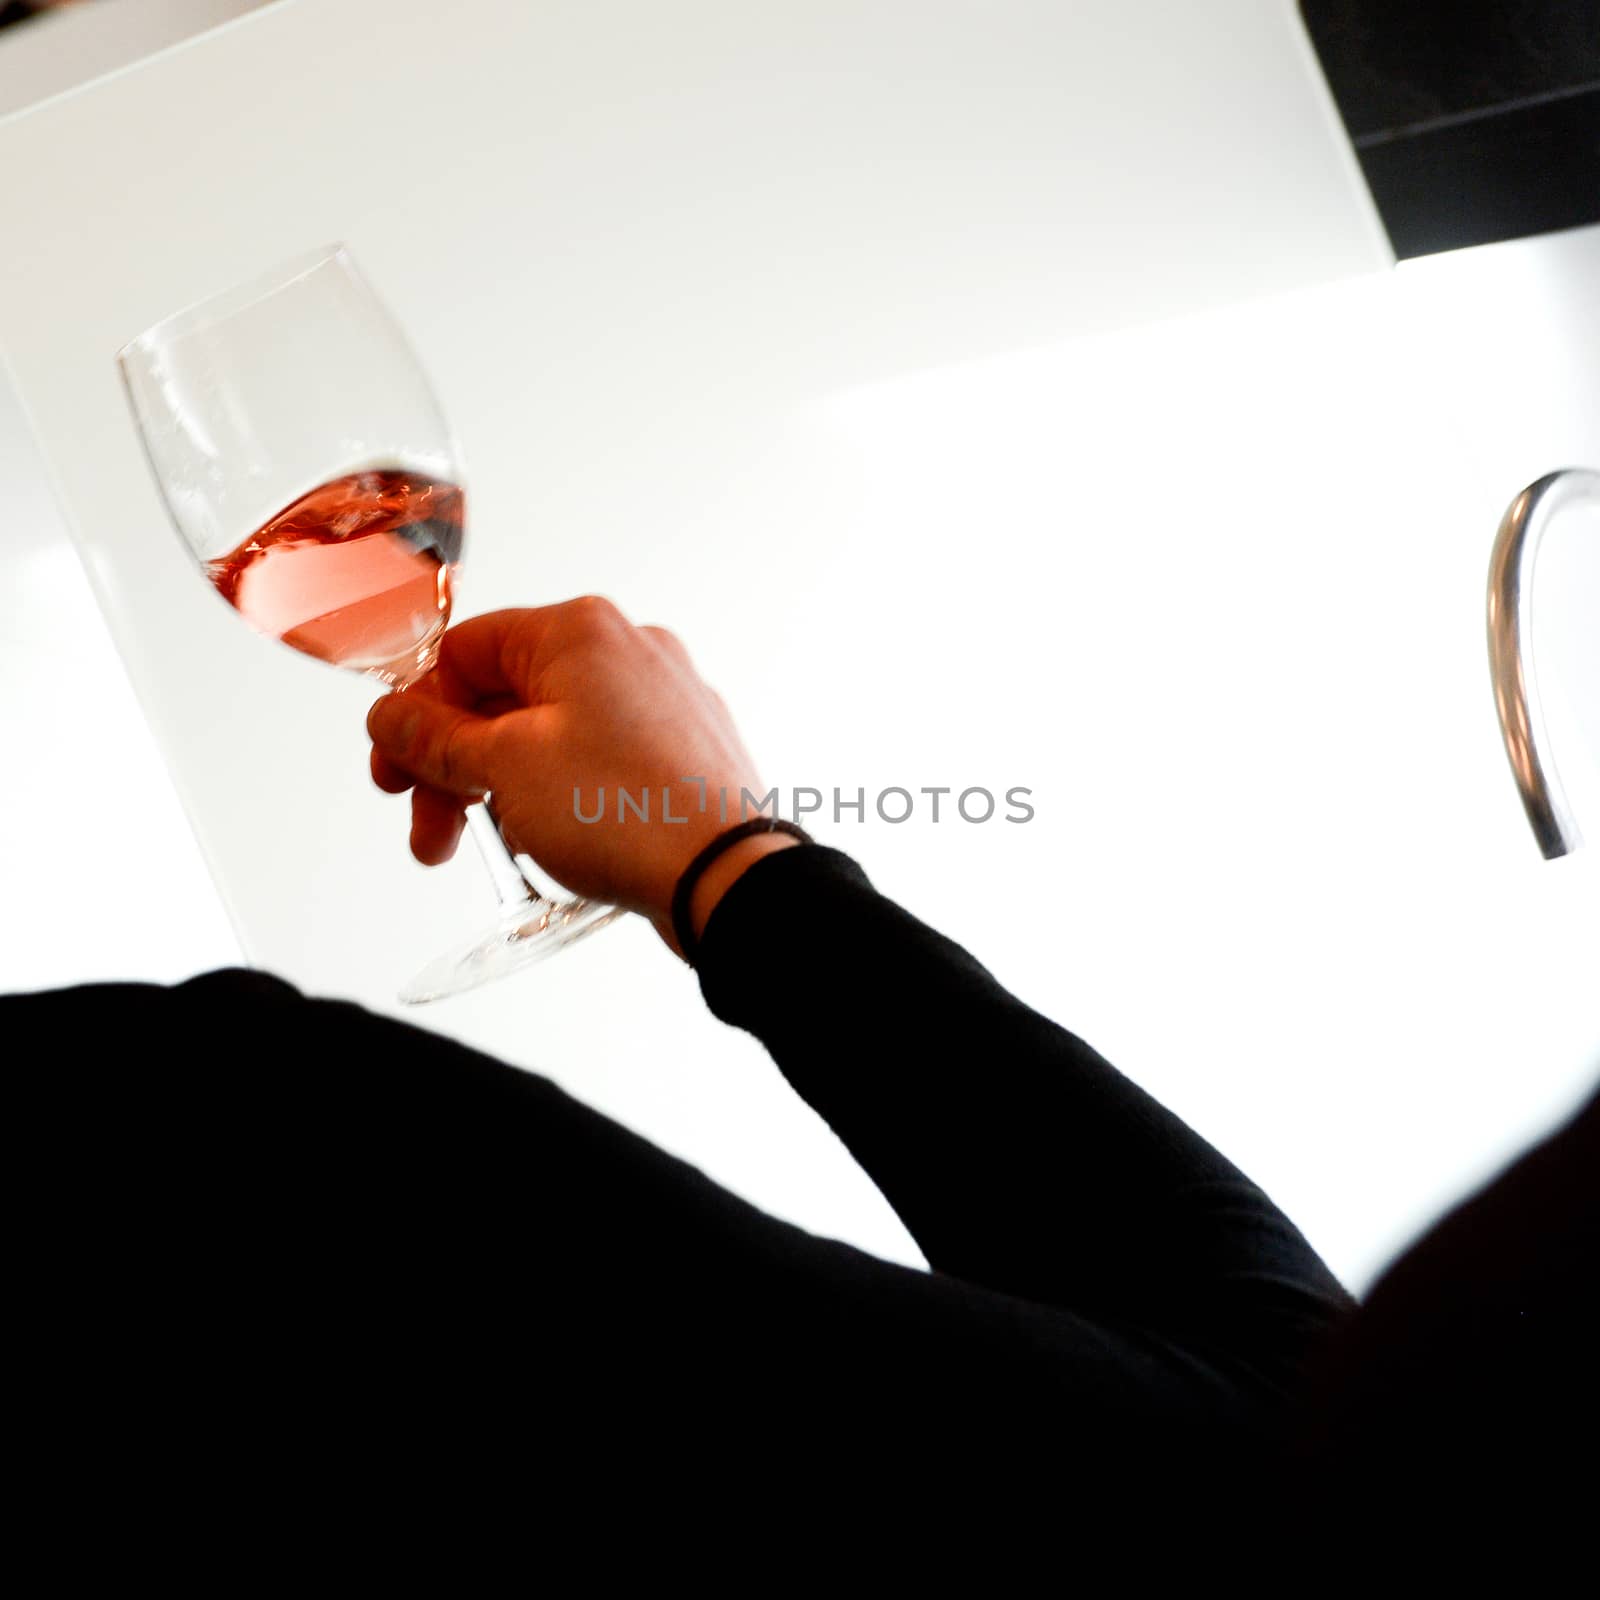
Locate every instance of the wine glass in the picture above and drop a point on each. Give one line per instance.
(307, 465)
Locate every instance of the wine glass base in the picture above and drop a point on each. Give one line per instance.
(533, 933)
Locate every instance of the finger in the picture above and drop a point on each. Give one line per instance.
(436, 743)
(436, 823)
(387, 775)
(496, 654)
(504, 652)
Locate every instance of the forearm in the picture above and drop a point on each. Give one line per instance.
(1016, 1156)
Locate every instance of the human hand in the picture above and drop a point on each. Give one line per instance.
(533, 705)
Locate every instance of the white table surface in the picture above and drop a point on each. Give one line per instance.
(988, 398)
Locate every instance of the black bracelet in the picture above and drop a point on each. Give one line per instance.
(692, 873)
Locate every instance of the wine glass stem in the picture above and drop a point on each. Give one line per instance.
(510, 883)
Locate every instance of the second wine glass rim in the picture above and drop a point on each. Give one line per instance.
(225, 303)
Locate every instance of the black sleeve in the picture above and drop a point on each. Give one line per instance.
(1016, 1156)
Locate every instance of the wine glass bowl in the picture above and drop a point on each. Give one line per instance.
(306, 463)
(358, 572)
(309, 469)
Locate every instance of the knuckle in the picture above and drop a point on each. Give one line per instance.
(519, 662)
(596, 611)
(498, 749)
(667, 640)
(452, 756)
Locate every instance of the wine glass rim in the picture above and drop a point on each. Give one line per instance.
(216, 308)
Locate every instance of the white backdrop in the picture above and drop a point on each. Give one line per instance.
(69, 45)
(987, 399)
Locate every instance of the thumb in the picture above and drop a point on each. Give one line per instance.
(438, 744)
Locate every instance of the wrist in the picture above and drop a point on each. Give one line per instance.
(721, 875)
(721, 862)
